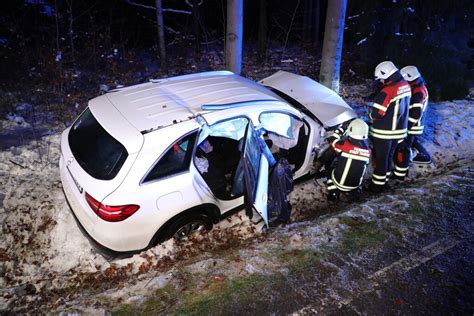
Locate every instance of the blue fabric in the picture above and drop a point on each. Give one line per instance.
(264, 148)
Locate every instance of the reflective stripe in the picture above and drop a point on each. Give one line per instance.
(379, 136)
(333, 144)
(415, 132)
(363, 172)
(379, 107)
(395, 115)
(400, 174)
(417, 127)
(388, 132)
(413, 120)
(416, 105)
(346, 170)
(332, 187)
(401, 96)
(329, 181)
(340, 186)
(379, 177)
(400, 168)
(352, 156)
(378, 182)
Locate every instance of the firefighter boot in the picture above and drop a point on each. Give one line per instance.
(422, 159)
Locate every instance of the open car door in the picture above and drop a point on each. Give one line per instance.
(255, 165)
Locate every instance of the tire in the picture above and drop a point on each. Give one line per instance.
(188, 225)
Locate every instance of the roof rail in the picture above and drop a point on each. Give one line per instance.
(215, 107)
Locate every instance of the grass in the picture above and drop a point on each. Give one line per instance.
(361, 236)
(157, 303)
(217, 297)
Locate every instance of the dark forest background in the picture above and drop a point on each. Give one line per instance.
(62, 51)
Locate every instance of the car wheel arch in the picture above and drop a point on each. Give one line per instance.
(209, 210)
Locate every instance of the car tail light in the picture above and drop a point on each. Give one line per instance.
(110, 213)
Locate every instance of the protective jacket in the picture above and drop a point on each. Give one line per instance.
(353, 158)
(418, 106)
(389, 112)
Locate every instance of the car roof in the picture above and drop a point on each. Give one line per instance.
(163, 102)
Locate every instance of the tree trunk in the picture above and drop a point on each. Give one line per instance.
(161, 34)
(307, 21)
(332, 45)
(262, 30)
(233, 49)
(196, 30)
(316, 16)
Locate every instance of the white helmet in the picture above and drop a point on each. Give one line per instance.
(358, 129)
(410, 73)
(384, 70)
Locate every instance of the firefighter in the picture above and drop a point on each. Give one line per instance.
(389, 116)
(352, 158)
(418, 106)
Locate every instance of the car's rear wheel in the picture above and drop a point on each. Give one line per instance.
(188, 226)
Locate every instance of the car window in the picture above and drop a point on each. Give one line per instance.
(175, 160)
(232, 128)
(96, 151)
(278, 123)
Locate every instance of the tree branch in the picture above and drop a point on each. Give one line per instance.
(140, 5)
(177, 11)
(153, 8)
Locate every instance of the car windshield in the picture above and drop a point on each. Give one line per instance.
(96, 151)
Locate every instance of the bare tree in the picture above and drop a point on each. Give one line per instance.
(332, 45)
(262, 29)
(160, 27)
(161, 34)
(233, 44)
(196, 15)
(316, 22)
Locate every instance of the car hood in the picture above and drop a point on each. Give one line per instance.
(323, 102)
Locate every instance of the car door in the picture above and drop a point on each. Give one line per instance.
(256, 173)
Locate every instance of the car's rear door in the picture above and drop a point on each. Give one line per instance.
(255, 173)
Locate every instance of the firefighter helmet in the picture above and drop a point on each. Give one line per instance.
(410, 73)
(384, 70)
(358, 129)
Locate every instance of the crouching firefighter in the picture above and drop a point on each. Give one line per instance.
(351, 162)
(418, 106)
(389, 116)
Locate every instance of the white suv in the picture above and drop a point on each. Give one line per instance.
(163, 159)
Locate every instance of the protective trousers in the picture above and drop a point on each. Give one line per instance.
(383, 151)
(402, 160)
(416, 144)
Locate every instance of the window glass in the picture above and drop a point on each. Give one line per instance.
(175, 160)
(234, 129)
(278, 123)
(96, 151)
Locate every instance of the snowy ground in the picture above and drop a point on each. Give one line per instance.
(46, 264)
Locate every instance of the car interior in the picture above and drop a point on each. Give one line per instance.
(218, 159)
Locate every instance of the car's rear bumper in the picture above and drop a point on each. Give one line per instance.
(87, 220)
(98, 246)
